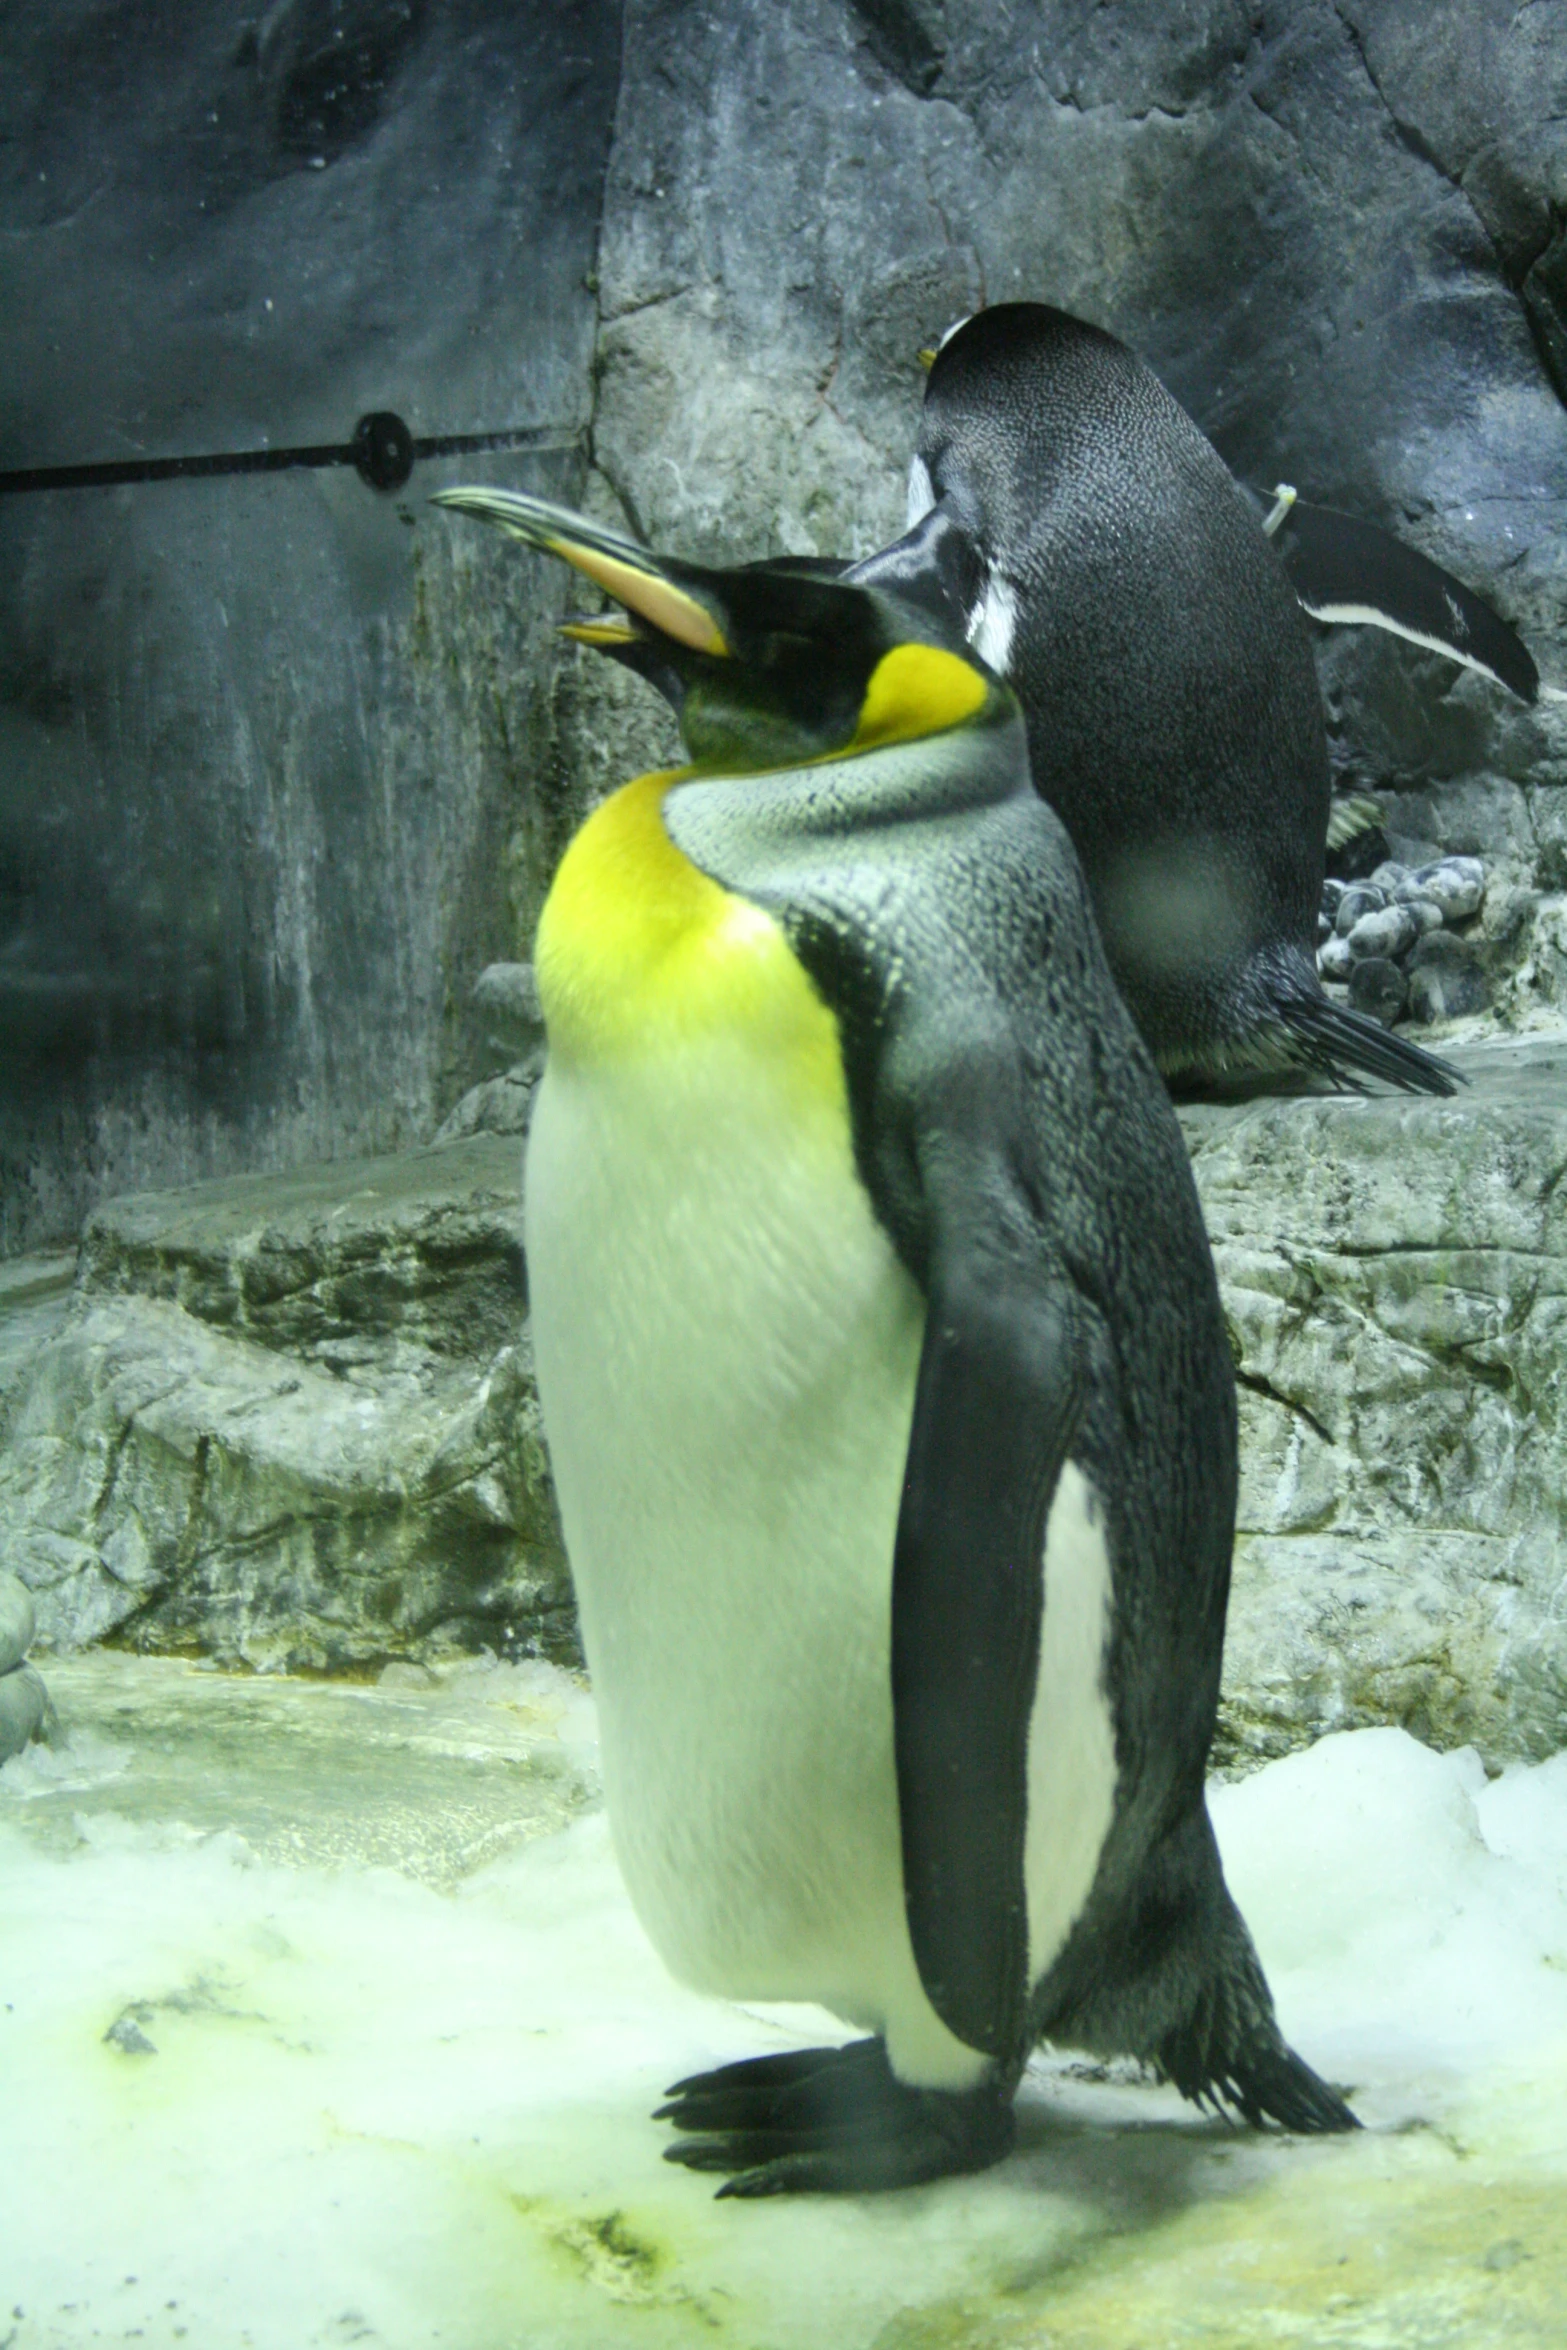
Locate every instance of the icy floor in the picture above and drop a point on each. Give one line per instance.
(323, 2019)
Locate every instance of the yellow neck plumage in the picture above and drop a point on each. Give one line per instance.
(639, 951)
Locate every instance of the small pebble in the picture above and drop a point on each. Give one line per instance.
(1457, 884)
(1335, 960)
(1389, 874)
(1360, 898)
(1332, 890)
(18, 1621)
(22, 1702)
(1426, 912)
(1378, 988)
(401, 1674)
(1445, 979)
(1388, 933)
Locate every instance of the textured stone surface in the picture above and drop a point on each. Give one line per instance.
(18, 1622)
(1333, 227)
(1395, 1280)
(292, 1420)
(22, 1706)
(271, 747)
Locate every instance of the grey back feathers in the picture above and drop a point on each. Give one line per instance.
(1103, 558)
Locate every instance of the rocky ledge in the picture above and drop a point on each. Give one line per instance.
(292, 1420)
(1394, 1273)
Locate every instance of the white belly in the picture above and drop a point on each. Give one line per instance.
(727, 1348)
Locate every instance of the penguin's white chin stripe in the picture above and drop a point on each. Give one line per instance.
(993, 622)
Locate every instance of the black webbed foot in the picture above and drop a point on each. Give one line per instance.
(831, 2121)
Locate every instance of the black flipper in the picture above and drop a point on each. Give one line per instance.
(831, 2121)
(995, 1408)
(1345, 570)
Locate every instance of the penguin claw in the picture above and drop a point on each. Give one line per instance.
(788, 2065)
(830, 2121)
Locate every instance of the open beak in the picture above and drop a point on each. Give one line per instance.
(620, 568)
(603, 633)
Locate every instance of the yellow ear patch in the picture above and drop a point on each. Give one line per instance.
(916, 690)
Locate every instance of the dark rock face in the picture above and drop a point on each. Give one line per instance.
(285, 763)
(264, 741)
(1332, 226)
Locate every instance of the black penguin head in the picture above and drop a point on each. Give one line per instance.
(1012, 391)
(770, 664)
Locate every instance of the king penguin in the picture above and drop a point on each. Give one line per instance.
(1097, 553)
(887, 1395)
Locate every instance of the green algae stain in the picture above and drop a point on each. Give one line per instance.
(618, 2259)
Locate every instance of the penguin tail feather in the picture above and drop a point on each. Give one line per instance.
(1346, 1046)
(1227, 2053)
(1350, 816)
(1256, 2075)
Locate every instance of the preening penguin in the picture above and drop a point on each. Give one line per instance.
(1103, 560)
(887, 1394)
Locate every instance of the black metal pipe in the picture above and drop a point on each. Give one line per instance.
(383, 452)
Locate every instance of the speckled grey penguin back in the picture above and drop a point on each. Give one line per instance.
(1109, 567)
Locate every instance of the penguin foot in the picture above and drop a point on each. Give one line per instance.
(831, 2121)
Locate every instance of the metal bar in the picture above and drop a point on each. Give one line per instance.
(541, 437)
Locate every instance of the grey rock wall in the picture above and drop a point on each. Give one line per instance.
(1333, 226)
(1394, 1276)
(283, 764)
(266, 744)
(291, 1420)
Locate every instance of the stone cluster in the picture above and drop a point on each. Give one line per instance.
(1395, 940)
(23, 1702)
(505, 1007)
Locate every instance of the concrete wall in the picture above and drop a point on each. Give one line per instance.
(265, 742)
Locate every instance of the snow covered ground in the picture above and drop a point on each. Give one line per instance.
(324, 2019)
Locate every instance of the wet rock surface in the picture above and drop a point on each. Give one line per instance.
(268, 737)
(292, 1420)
